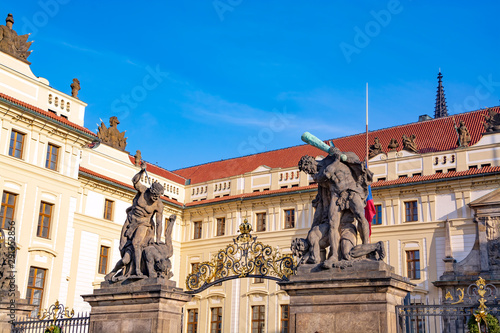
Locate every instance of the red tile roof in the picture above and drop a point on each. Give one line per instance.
(46, 113)
(432, 135)
(154, 169)
(97, 175)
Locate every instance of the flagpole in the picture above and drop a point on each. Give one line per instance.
(366, 159)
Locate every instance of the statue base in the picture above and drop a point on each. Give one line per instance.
(148, 305)
(13, 309)
(361, 297)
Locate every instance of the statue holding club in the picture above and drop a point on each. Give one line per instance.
(343, 182)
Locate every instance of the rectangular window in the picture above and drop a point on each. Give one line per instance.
(197, 230)
(452, 169)
(472, 167)
(7, 209)
(52, 156)
(108, 209)
(418, 323)
(284, 319)
(413, 264)
(103, 259)
(258, 280)
(261, 221)
(192, 321)
(44, 219)
(439, 171)
(402, 176)
(289, 218)
(216, 320)
(36, 282)
(221, 226)
(16, 144)
(377, 219)
(417, 174)
(411, 211)
(485, 165)
(258, 319)
(381, 179)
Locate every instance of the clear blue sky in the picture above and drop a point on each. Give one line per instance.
(199, 81)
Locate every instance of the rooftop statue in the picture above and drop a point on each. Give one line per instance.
(492, 121)
(409, 143)
(137, 158)
(393, 144)
(375, 148)
(463, 135)
(111, 136)
(343, 184)
(13, 44)
(142, 251)
(75, 88)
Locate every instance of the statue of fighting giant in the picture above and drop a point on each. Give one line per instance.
(343, 182)
(142, 251)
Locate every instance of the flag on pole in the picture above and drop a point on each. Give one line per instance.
(369, 208)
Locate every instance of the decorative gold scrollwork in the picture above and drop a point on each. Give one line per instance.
(245, 257)
(461, 297)
(56, 311)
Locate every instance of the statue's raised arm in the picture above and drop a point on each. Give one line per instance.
(136, 180)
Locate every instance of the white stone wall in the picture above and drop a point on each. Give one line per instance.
(86, 271)
(68, 253)
(461, 245)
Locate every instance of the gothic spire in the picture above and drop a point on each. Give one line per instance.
(441, 109)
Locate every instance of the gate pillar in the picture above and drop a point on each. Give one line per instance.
(11, 309)
(360, 298)
(150, 305)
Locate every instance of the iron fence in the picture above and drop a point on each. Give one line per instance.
(470, 306)
(77, 324)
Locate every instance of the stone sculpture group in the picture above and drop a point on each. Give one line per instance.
(143, 254)
(343, 182)
(111, 135)
(12, 43)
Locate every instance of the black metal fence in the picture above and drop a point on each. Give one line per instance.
(475, 306)
(428, 318)
(77, 324)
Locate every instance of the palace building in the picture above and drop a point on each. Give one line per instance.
(66, 194)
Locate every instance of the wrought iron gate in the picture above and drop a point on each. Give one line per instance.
(453, 314)
(245, 258)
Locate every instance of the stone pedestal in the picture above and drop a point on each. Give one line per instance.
(10, 310)
(150, 305)
(361, 298)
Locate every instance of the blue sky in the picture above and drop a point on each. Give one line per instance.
(199, 81)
